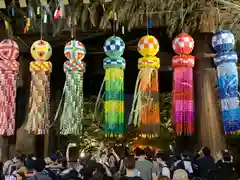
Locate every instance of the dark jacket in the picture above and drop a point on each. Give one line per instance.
(204, 165)
(224, 171)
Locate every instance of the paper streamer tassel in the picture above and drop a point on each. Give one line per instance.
(225, 60)
(114, 66)
(9, 67)
(182, 93)
(38, 117)
(145, 112)
(71, 118)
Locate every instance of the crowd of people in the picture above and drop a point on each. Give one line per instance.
(105, 164)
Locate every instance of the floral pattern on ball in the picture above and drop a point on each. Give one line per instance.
(41, 50)
(75, 50)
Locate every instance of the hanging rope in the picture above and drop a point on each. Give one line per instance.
(9, 68)
(38, 117)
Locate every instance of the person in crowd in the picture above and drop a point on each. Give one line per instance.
(131, 172)
(54, 169)
(32, 173)
(99, 173)
(163, 178)
(164, 169)
(180, 174)
(204, 164)
(14, 164)
(144, 166)
(184, 163)
(225, 168)
(113, 162)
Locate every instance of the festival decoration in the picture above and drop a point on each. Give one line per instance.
(38, 117)
(225, 60)
(182, 93)
(145, 112)
(9, 67)
(114, 66)
(74, 67)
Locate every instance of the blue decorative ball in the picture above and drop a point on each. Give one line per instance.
(223, 40)
(114, 46)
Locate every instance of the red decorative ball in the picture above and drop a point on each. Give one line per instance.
(9, 50)
(183, 44)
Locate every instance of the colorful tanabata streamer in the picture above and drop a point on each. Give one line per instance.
(145, 112)
(72, 114)
(182, 94)
(38, 116)
(114, 66)
(9, 67)
(225, 60)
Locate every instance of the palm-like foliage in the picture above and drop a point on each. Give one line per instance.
(189, 15)
(176, 15)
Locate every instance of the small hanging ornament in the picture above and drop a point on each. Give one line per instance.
(114, 66)
(182, 93)
(9, 67)
(225, 60)
(71, 118)
(145, 112)
(38, 116)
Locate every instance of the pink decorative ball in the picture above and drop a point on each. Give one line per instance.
(183, 44)
(9, 50)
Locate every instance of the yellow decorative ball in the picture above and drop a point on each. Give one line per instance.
(148, 46)
(41, 50)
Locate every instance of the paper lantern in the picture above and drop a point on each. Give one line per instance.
(72, 114)
(9, 68)
(74, 50)
(182, 93)
(183, 44)
(225, 61)
(41, 50)
(38, 116)
(145, 113)
(114, 66)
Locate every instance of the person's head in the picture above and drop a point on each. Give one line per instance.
(111, 158)
(53, 157)
(139, 152)
(226, 156)
(19, 160)
(161, 158)
(129, 162)
(30, 163)
(206, 151)
(63, 161)
(163, 178)
(180, 174)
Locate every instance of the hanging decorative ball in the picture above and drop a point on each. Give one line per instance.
(9, 50)
(223, 40)
(41, 50)
(114, 46)
(148, 46)
(183, 44)
(75, 50)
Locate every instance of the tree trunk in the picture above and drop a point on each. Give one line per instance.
(208, 117)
